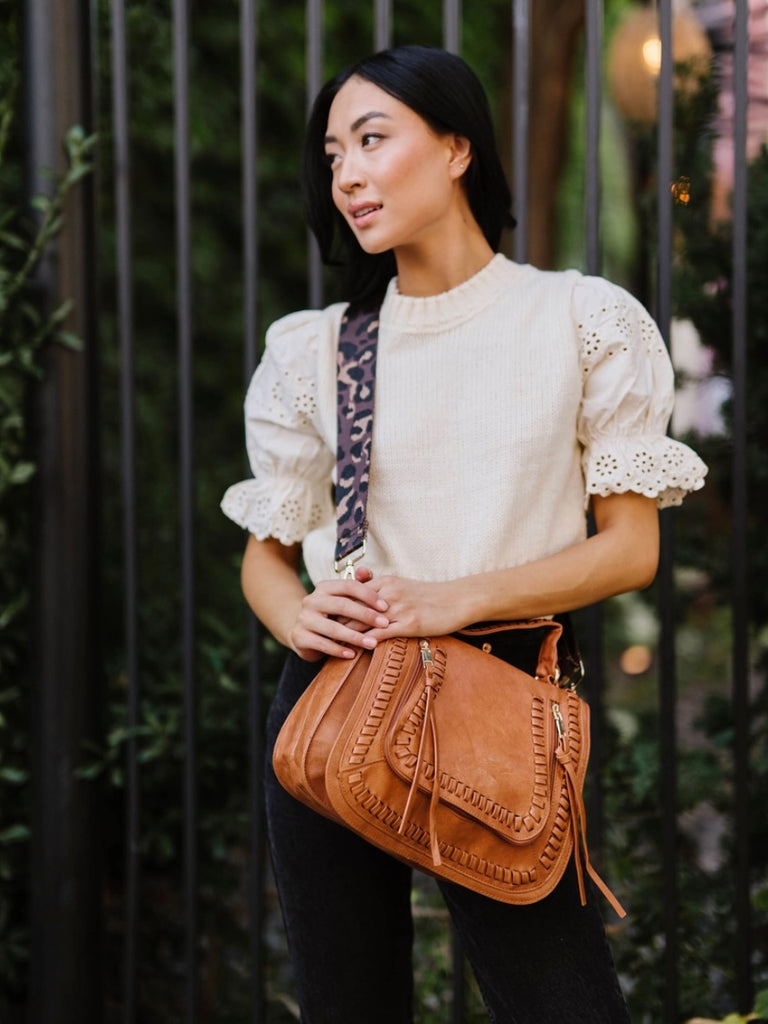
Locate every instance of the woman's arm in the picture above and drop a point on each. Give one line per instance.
(622, 555)
(341, 615)
(328, 620)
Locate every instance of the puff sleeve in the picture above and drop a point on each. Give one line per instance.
(290, 493)
(627, 399)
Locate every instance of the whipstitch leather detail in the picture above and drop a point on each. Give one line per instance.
(388, 684)
(377, 808)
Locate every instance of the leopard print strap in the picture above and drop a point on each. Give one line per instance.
(358, 335)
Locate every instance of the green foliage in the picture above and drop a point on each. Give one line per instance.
(635, 786)
(634, 852)
(759, 1013)
(705, 289)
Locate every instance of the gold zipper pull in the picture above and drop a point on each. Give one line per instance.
(426, 653)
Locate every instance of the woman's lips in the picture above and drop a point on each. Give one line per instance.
(362, 214)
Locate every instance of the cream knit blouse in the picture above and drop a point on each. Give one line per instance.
(501, 406)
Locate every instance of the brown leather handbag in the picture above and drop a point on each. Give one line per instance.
(450, 759)
(438, 751)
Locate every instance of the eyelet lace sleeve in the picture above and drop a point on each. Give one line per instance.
(628, 394)
(289, 494)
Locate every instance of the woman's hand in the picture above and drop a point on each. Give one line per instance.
(336, 619)
(340, 616)
(419, 608)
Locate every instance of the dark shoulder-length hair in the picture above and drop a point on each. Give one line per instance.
(442, 89)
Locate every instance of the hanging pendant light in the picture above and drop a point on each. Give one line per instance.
(634, 59)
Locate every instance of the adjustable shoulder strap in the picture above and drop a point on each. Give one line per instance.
(356, 377)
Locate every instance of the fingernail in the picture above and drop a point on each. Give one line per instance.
(382, 621)
(382, 605)
(369, 641)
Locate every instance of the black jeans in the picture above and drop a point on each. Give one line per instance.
(347, 913)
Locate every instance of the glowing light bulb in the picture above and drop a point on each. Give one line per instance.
(652, 54)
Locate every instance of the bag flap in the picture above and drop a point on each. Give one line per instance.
(496, 737)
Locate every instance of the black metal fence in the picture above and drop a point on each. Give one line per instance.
(65, 936)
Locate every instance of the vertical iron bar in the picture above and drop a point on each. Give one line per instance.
(257, 907)
(250, 156)
(383, 24)
(249, 135)
(520, 118)
(64, 673)
(594, 59)
(740, 659)
(186, 442)
(595, 616)
(667, 673)
(665, 170)
(452, 25)
(128, 468)
(314, 57)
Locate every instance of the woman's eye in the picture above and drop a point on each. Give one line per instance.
(369, 137)
(330, 158)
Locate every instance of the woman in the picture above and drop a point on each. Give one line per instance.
(508, 400)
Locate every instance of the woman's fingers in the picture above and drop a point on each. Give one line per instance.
(312, 639)
(341, 616)
(335, 619)
(368, 608)
(351, 590)
(418, 607)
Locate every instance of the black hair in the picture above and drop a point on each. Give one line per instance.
(443, 90)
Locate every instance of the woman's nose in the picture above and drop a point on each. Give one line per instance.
(350, 175)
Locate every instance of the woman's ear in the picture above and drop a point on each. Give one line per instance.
(460, 155)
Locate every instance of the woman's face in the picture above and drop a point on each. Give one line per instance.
(395, 180)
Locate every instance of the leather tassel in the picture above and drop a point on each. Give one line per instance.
(579, 826)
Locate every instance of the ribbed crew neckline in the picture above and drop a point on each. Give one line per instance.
(431, 313)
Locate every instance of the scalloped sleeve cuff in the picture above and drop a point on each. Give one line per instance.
(656, 466)
(284, 508)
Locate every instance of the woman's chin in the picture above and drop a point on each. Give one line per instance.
(372, 246)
